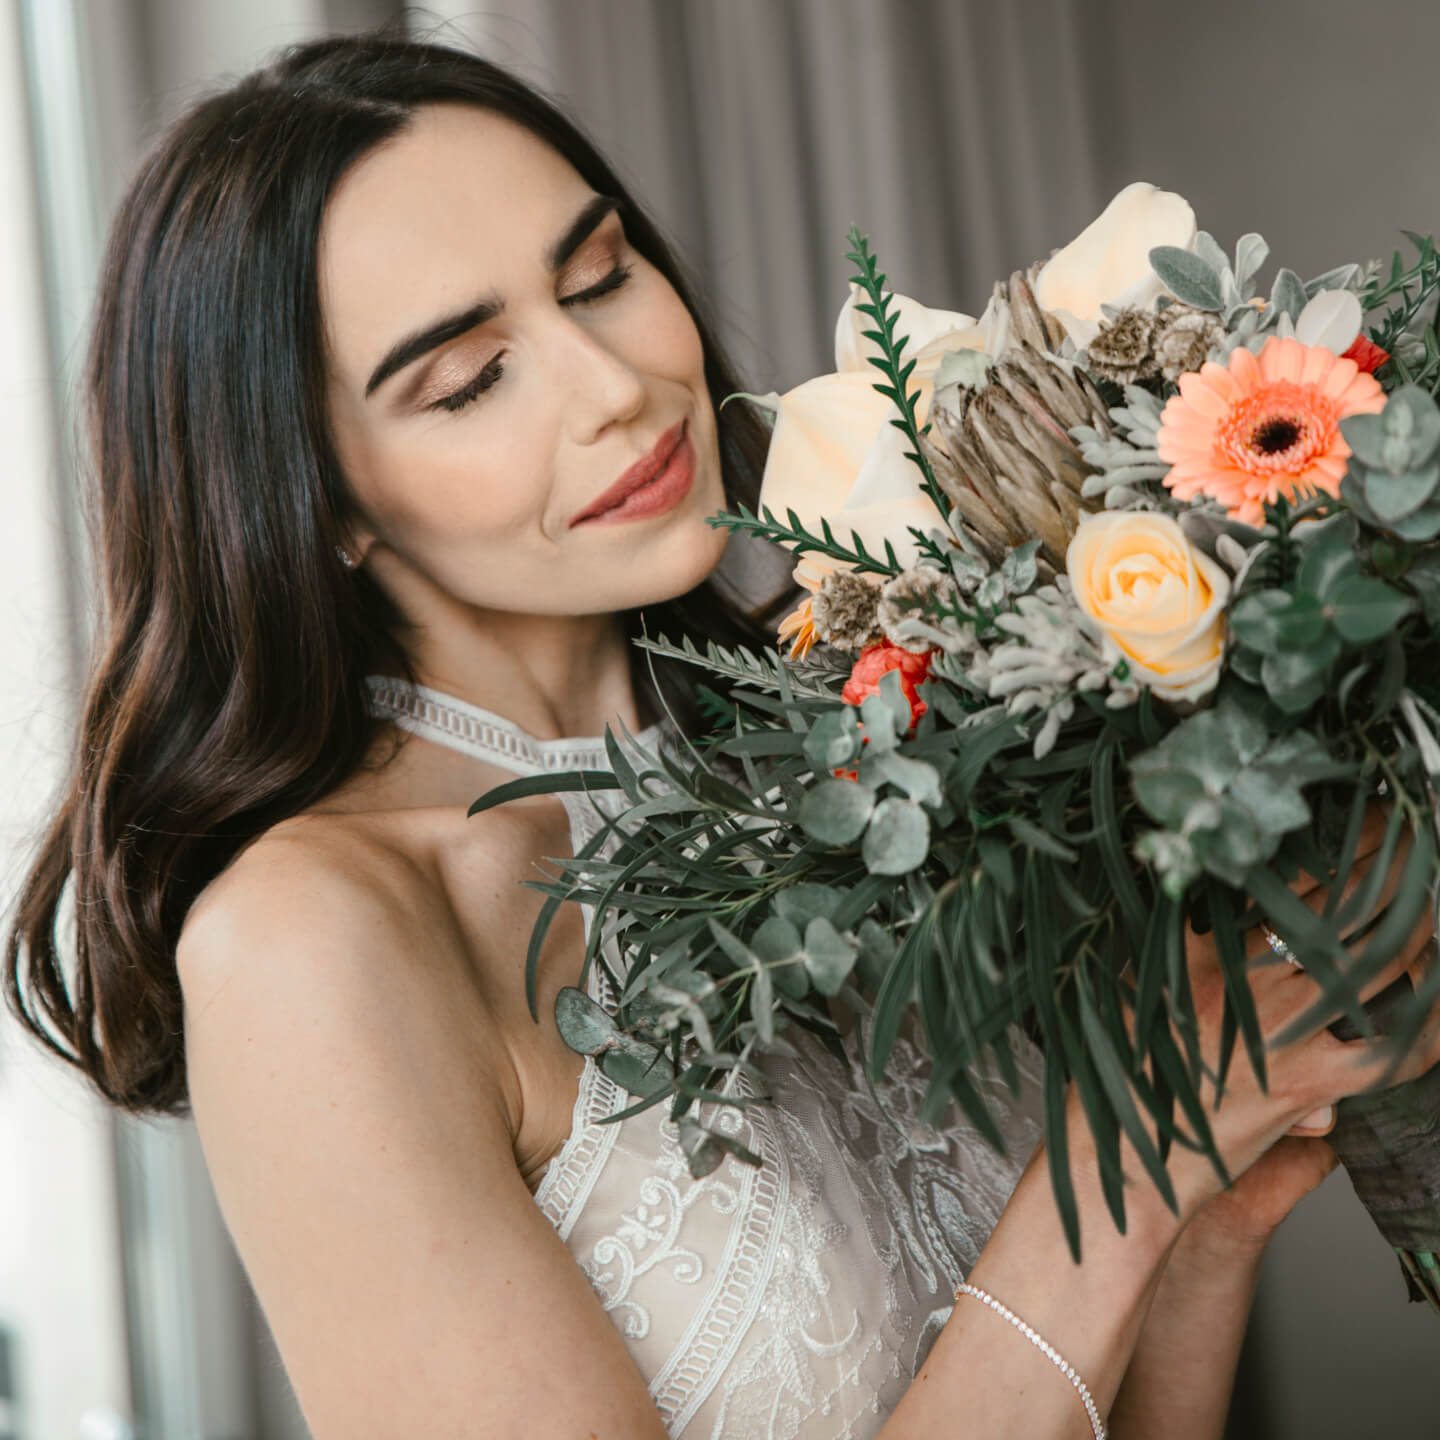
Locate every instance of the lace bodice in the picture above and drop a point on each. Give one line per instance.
(797, 1300)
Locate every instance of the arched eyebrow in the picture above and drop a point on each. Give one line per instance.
(421, 342)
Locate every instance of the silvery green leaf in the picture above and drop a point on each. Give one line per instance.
(1210, 251)
(1365, 435)
(1019, 568)
(1287, 293)
(776, 940)
(835, 812)
(1166, 793)
(1364, 609)
(897, 838)
(1412, 425)
(991, 591)
(583, 1025)
(742, 956)
(1251, 252)
(1342, 277)
(829, 956)
(833, 740)
(880, 719)
(1393, 497)
(1276, 804)
(1187, 276)
(639, 1076)
(802, 902)
(1230, 297)
(918, 779)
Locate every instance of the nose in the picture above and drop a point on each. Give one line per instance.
(603, 388)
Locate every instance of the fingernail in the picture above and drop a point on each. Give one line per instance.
(1317, 1119)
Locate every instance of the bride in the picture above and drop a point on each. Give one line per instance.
(403, 417)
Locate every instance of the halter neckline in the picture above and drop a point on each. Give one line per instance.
(472, 730)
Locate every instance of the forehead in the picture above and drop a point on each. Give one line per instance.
(455, 205)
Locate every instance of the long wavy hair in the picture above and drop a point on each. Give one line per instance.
(226, 685)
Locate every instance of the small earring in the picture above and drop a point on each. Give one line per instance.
(345, 559)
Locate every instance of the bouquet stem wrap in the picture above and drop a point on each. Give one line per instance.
(1389, 1143)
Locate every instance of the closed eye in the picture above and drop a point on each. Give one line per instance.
(493, 370)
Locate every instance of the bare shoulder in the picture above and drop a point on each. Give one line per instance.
(350, 1080)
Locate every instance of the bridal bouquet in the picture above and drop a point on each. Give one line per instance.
(1123, 606)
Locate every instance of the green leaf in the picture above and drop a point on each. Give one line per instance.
(1287, 293)
(802, 902)
(1255, 619)
(836, 812)
(1363, 609)
(833, 740)
(1395, 497)
(829, 956)
(897, 838)
(918, 779)
(584, 1026)
(639, 1077)
(550, 784)
(1186, 276)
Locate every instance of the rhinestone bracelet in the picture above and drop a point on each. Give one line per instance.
(1096, 1424)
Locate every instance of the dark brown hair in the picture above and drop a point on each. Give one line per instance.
(226, 686)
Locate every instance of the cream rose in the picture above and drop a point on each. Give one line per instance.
(1157, 598)
(833, 452)
(1108, 262)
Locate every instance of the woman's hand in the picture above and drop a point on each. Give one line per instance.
(1239, 1222)
(1254, 1129)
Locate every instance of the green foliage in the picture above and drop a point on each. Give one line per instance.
(1393, 481)
(897, 376)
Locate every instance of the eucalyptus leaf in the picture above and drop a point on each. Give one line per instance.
(1363, 609)
(897, 838)
(584, 1026)
(829, 956)
(836, 812)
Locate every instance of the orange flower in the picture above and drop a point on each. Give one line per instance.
(800, 624)
(1264, 426)
(873, 661)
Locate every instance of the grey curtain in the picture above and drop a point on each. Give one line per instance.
(956, 135)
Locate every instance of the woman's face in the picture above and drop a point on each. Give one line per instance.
(498, 356)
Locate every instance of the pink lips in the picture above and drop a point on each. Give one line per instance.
(663, 476)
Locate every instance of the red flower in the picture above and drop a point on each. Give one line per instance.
(874, 661)
(1368, 356)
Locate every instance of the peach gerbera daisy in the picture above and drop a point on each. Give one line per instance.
(1264, 426)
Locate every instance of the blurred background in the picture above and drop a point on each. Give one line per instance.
(967, 138)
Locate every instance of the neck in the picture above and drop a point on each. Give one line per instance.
(552, 675)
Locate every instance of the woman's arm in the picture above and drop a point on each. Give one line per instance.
(984, 1378)
(1182, 1374)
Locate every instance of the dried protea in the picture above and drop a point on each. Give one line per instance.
(843, 610)
(1185, 338)
(1014, 318)
(905, 596)
(1123, 349)
(1003, 455)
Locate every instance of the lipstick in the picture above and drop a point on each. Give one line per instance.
(651, 485)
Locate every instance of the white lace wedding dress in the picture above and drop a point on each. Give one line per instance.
(793, 1300)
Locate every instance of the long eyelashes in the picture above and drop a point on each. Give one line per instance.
(493, 370)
